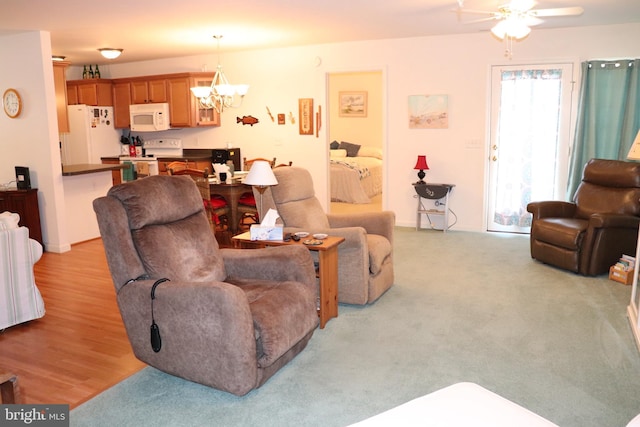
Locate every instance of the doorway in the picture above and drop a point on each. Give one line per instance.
(364, 130)
(530, 133)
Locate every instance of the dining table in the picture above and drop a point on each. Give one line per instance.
(231, 193)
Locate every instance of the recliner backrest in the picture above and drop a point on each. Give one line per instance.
(608, 186)
(172, 240)
(295, 199)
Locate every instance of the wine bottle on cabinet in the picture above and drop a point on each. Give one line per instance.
(90, 72)
(85, 73)
(97, 72)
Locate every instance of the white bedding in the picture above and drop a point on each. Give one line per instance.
(356, 183)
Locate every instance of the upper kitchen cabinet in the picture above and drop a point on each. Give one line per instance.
(175, 89)
(60, 84)
(147, 90)
(89, 92)
(203, 116)
(121, 102)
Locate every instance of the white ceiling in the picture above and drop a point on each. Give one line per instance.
(154, 29)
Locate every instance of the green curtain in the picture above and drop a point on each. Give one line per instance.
(608, 114)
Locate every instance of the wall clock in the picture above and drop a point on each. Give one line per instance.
(12, 103)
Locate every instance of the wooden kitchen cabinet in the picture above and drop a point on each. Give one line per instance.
(148, 91)
(25, 204)
(175, 89)
(90, 92)
(203, 116)
(121, 102)
(60, 84)
(180, 110)
(116, 176)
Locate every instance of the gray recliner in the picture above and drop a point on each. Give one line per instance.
(365, 258)
(228, 318)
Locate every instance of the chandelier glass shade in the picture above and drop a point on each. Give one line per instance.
(221, 94)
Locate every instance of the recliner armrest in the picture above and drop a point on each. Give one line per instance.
(609, 220)
(276, 263)
(552, 209)
(381, 223)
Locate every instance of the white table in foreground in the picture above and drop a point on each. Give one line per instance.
(459, 405)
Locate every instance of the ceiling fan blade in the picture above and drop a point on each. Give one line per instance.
(532, 21)
(476, 12)
(475, 21)
(559, 11)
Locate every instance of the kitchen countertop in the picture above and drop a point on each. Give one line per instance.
(85, 168)
(169, 158)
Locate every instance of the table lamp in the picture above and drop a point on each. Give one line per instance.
(634, 151)
(421, 164)
(260, 176)
(632, 308)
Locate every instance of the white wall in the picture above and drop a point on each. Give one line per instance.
(32, 139)
(455, 65)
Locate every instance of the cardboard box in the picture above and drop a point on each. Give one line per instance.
(624, 277)
(266, 232)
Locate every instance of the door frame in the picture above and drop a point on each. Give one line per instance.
(564, 150)
(385, 128)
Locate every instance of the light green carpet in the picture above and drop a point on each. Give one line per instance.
(465, 307)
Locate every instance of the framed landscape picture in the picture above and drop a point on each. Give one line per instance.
(428, 112)
(353, 104)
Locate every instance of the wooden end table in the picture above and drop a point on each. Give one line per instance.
(9, 390)
(327, 268)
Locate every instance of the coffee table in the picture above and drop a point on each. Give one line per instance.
(327, 268)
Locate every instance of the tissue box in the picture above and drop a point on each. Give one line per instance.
(266, 232)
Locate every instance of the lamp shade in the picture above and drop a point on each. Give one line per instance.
(634, 152)
(421, 163)
(260, 174)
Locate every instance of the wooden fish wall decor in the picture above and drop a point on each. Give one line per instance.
(247, 120)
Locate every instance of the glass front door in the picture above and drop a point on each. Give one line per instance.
(530, 114)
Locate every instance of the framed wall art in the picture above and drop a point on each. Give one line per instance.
(353, 104)
(428, 112)
(305, 114)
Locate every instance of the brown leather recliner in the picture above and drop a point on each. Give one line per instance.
(228, 318)
(590, 234)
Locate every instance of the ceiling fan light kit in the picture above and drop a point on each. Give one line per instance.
(516, 18)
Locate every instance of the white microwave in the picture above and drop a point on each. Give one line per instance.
(149, 117)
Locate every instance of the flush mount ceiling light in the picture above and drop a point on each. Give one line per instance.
(515, 18)
(110, 53)
(221, 94)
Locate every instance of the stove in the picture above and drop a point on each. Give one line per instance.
(168, 147)
(148, 164)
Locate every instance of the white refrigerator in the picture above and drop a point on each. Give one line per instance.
(91, 135)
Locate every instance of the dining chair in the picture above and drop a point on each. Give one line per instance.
(216, 205)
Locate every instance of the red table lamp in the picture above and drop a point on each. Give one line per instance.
(422, 165)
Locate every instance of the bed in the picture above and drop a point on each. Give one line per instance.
(355, 178)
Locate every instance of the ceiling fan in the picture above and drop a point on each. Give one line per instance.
(516, 17)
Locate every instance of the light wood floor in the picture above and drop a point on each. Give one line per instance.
(79, 348)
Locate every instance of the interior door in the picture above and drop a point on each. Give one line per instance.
(530, 133)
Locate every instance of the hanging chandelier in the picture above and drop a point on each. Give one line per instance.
(221, 94)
